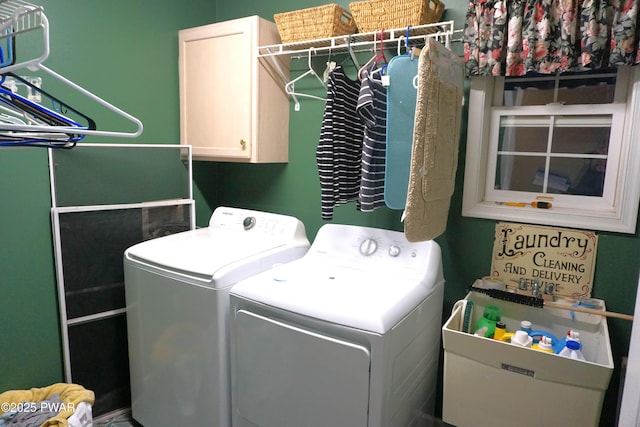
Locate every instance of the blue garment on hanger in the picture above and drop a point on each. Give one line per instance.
(401, 107)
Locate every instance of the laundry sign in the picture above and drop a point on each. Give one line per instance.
(560, 260)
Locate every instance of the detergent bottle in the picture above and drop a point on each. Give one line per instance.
(561, 343)
(573, 350)
(545, 344)
(521, 339)
(525, 325)
(500, 330)
(491, 315)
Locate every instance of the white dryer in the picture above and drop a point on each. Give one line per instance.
(177, 293)
(348, 335)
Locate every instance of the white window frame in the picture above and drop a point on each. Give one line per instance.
(617, 211)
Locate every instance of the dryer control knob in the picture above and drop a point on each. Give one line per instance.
(249, 222)
(394, 250)
(368, 247)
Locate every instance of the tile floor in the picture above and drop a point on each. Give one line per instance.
(116, 419)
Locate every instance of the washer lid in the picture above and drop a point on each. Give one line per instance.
(204, 253)
(371, 301)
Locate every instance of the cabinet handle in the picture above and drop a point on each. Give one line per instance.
(243, 144)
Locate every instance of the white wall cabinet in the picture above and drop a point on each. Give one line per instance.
(233, 106)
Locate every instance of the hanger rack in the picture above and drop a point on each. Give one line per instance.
(354, 43)
(19, 17)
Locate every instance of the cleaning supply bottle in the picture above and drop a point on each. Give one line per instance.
(522, 339)
(545, 344)
(481, 332)
(571, 336)
(491, 315)
(500, 330)
(537, 335)
(573, 350)
(506, 337)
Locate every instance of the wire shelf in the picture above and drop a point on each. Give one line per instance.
(359, 42)
(17, 16)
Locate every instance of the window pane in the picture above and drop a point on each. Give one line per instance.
(576, 140)
(585, 170)
(563, 174)
(519, 173)
(516, 136)
(592, 91)
(537, 92)
(587, 176)
(542, 90)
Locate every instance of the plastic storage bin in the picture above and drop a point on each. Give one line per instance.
(493, 383)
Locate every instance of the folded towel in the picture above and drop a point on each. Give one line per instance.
(70, 394)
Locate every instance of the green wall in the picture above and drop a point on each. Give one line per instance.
(467, 244)
(126, 52)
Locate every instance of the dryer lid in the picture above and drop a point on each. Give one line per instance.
(370, 301)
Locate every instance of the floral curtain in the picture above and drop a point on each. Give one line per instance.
(514, 37)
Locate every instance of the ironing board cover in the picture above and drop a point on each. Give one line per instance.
(401, 105)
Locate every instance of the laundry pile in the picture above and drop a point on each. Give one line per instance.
(32, 414)
(390, 138)
(47, 407)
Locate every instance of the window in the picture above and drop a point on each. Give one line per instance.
(567, 140)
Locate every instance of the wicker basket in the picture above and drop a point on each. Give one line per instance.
(375, 15)
(314, 23)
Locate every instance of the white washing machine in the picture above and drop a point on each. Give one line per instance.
(177, 292)
(348, 335)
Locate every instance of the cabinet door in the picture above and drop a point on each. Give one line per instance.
(216, 83)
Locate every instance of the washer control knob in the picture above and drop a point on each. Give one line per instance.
(368, 247)
(394, 250)
(248, 222)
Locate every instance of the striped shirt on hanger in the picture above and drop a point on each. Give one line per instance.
(372, 108)
(339, 151)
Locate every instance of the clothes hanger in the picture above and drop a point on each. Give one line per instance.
(9, 113)
(352, 54)
(408, 49)
(26, 18)
(19, 138)
(377, 59)
(50, 116)
(9, 48)
(28, 114)
(289, 88)
(84, 131)
(351, 57)
(56, 105)
(380, 75)
(16, 111)
(30, 139)
(331, 65)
